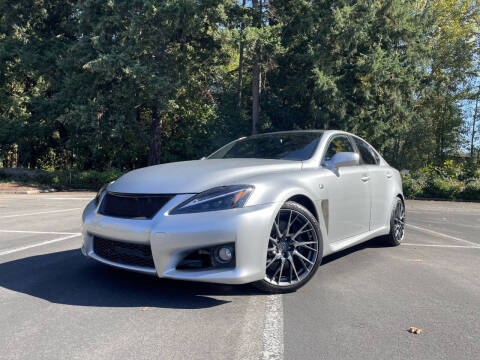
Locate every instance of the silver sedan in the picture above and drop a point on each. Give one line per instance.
(263, 209)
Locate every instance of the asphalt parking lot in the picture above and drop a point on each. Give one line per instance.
(56, 304)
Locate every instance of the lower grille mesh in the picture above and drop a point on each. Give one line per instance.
(123, 253)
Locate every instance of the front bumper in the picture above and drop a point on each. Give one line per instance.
(171, 237)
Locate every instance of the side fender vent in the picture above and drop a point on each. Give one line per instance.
(325, 213)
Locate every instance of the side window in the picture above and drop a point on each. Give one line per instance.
(367, 155)
(337, 144)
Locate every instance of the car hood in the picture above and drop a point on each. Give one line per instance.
(197, 176)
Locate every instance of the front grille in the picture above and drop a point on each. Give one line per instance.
(132, 206)
(123, 253)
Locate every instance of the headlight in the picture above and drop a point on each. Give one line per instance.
(101, 191)
(220, 198)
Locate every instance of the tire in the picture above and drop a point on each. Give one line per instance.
(295, 250)
(397, 224)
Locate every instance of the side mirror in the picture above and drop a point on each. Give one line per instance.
(342, 159)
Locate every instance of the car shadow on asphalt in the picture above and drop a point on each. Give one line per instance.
(68, 278)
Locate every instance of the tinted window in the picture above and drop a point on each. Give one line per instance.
(337, 144)
(367, 155)
(285, 146)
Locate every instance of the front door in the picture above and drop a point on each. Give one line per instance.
(348, 194)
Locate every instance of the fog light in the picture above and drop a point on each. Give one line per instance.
(224, 254)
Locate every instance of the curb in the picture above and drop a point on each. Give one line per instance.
(27, 192)
(441, 199)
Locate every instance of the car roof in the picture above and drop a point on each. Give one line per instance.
(291, 132)
(326, 132)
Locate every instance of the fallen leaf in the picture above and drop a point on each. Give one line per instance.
(418, 260)
(145, 308)
(415, 330)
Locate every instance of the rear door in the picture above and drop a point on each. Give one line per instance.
(379, 178)
(348, 192)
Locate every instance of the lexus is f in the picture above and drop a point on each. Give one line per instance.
(264, 209)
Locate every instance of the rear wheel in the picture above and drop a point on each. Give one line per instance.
(397, 224)
(294, 250)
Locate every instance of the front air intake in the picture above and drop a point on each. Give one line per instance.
(132, 206)
(123, 253)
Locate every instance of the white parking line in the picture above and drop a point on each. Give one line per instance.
(441, 234)
(38, 213)
(443, 246)
(10, 251)
(30, 197)
(273, 329)
(69, 198)
(38, 232)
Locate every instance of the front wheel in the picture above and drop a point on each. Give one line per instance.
(294, 250)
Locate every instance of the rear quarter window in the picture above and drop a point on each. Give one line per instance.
(367, 154)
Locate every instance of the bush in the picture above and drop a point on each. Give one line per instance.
(442, 188)
(61, 179)
(412, 187)
(471, 190)
(431, 182)
(3, 176)
(90, 179)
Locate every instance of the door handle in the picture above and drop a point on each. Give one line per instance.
(389, 174)
(365, 178)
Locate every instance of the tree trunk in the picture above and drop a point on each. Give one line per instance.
(256, 77)
(156, 138)
(475, 114)
(255, 96)
(240, 70)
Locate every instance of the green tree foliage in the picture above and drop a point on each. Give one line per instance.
(452, 50)
(99, 84)
(35, 37)
(350, 65)
(150, 67)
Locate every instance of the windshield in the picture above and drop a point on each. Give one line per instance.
(282, 146)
